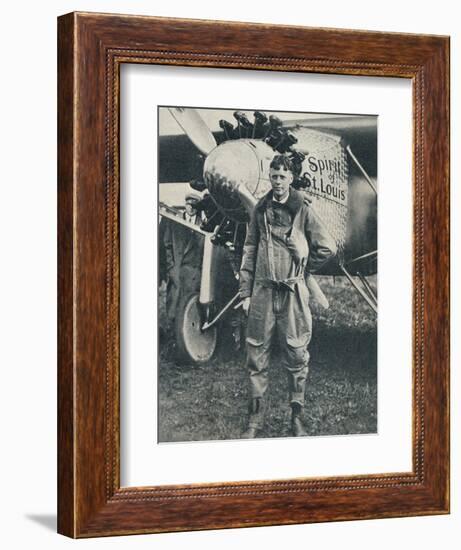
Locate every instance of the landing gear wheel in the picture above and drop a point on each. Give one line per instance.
(193, 344)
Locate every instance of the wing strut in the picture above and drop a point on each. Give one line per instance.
(366, 292)
(362, 169)
(367, 287)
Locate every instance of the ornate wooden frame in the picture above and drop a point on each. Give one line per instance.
(91, 48)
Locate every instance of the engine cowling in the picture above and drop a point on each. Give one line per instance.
(236, 174)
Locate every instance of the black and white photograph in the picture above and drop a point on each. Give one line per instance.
(267, 254)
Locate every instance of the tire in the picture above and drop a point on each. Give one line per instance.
(193, 345)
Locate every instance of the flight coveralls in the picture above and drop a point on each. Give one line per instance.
(283, 242)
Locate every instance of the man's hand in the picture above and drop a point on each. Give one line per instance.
(246, 305)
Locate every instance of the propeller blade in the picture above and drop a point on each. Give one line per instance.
(195, 128)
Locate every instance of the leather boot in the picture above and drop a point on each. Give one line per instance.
(297, 426)
(256, 415)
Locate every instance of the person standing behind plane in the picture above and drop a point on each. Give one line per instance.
(183, 252)
(284, 239)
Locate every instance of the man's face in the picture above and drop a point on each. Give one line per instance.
(190, 209)
(280, 180)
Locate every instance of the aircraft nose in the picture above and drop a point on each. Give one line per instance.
(232, 172)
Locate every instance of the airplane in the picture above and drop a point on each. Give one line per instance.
(229, 166)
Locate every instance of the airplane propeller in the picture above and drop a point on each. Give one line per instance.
(195, 128)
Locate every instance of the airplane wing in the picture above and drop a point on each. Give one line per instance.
(335, 123)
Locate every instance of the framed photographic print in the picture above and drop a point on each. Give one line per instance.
(253, 275)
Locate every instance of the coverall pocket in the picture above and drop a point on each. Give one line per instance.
(299, 319)
(255, 328)
(258, 317)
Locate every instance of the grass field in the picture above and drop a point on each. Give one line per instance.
(209, 402)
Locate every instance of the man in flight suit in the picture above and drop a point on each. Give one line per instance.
(285, 241)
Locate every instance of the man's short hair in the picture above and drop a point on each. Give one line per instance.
(282, 161)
